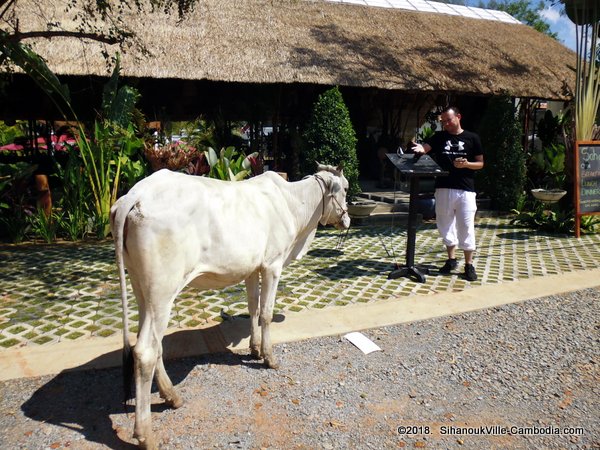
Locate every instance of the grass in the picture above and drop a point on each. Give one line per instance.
(313, 283)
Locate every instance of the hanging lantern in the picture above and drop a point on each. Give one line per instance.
(582, 12)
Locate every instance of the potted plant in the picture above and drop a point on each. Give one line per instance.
(548, 195)
(168, 155)
(551, 160)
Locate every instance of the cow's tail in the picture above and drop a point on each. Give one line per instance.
(118, 222)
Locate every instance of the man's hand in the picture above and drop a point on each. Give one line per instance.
(461, 163)
(417, 148)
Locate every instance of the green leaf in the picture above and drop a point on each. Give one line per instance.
(228, 152)
(238, 176)
(211, 157)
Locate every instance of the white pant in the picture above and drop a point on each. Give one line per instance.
(455, 216)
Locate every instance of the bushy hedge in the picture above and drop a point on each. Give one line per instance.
(504, 174)
(330, 138)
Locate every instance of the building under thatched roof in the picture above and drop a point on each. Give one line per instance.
(322, 42)
(265, 61)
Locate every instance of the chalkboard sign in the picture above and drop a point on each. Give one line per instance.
(587, 179)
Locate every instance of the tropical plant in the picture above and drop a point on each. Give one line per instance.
(550, 162)
(552, 221)
(503, 176)
(169, 155)
(586, 15)
(133, 166)
(75, 201)
(545, 219)
(43, 225)
(331, 139)
(198, 166)
(9, 133)
(113, 139)
(229, 165)
(103, 157)
(113, 135)
(73, 224)
(589, 224)
(425, 134)
(549, 128)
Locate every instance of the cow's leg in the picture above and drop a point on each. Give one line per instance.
(144, 364)
(269, 282)
(163, 381)
(253, 292)
(147, 352)
(165, 386)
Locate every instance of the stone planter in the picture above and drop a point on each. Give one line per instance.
(548, 195)
(361, 209)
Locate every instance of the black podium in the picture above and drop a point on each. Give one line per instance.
(413, 168)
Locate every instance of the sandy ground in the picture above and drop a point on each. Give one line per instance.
(527, 373)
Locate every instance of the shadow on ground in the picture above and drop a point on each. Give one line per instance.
(83, 400)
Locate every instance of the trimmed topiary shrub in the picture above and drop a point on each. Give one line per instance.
(503, 175)
(330, 138)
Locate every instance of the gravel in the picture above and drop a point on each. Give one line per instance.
(530, 368)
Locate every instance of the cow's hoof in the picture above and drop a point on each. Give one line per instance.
(255, 353)
(147, 443)
(270, 364)
(174, 402)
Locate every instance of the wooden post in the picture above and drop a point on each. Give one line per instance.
(44, 196)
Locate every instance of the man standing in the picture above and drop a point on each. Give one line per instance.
(458, 152)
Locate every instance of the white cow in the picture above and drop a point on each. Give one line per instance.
(172, 230)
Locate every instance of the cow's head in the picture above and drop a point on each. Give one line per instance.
(335, 210)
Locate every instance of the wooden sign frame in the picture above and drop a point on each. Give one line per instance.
(579, 165)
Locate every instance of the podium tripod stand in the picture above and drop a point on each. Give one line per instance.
(413, 168)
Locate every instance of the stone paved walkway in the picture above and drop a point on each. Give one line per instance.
(52, 293)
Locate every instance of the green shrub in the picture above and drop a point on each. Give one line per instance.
(14, 196)
(76, 199)
(503, 175)
(9, 133)
(330, 138)
(44, 226)
(545, 219)
(549, 165)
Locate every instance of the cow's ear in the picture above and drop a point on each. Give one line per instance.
(320, 166)
(336, 186)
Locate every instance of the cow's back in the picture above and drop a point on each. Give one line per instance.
(216, 232)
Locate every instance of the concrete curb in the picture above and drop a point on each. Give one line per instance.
(233, 335)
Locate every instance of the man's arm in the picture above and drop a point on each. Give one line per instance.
(462, 163)
(420, 148)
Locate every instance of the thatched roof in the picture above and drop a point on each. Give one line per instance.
(322, 42)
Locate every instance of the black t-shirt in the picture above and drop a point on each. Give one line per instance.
(445, 148)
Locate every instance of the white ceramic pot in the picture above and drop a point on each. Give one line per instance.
(548, 195)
